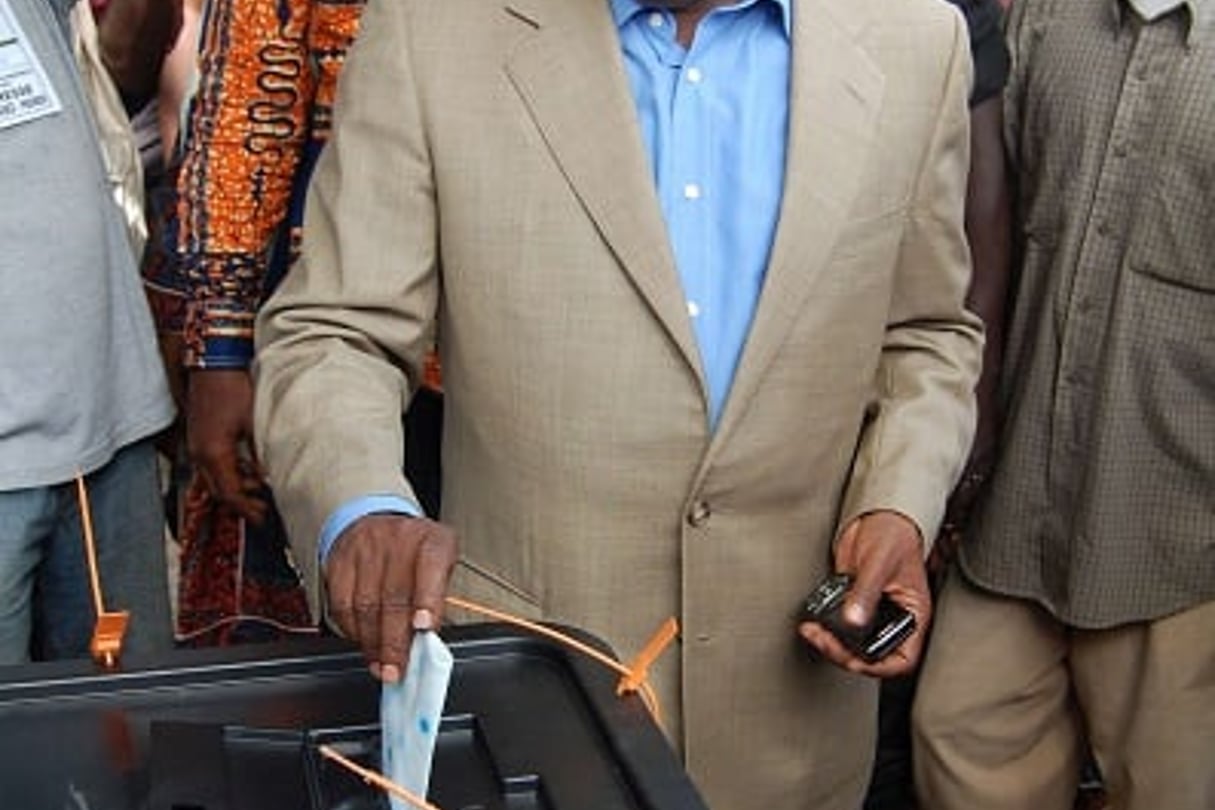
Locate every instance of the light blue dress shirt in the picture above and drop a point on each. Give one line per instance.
(714, 121)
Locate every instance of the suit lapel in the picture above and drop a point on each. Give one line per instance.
(570, 76)
(835, 94)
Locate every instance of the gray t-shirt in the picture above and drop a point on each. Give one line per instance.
(80, 374)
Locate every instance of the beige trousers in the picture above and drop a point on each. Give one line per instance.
(1008, 696)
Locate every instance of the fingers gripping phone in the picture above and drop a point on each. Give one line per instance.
(891, 624)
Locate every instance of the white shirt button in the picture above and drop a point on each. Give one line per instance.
(694, 75)
(693, 309)
(691, 191)
(656, 20)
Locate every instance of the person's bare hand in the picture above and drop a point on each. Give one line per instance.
(386, 576)
(219, 437)
(883, 552)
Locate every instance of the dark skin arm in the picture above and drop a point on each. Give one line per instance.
(988, 229)
(135, 36)
(219, 437)
(989, 232)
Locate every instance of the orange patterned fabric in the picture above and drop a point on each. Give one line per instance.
(263, 108)
(268, 73)
(236, 580)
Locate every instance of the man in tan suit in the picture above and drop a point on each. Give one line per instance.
(506, 169)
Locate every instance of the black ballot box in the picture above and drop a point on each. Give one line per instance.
(527, 724)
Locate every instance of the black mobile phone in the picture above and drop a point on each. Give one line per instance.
(891, 625)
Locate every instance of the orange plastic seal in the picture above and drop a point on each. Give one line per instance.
(639, 669)
(111, 626)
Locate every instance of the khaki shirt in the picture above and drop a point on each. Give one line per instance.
(1102, 507)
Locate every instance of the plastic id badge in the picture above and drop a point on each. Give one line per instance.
(25, 92)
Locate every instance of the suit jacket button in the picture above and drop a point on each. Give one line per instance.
(699, 514)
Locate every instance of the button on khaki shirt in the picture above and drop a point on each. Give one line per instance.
(1102, 507)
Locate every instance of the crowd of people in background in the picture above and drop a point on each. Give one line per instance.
(705, 300)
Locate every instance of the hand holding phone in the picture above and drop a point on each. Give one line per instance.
(890, 626)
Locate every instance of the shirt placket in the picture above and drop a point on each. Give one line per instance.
(1095, 281)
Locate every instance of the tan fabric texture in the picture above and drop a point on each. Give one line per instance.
(1101, 503)
(486, 169)
(997, 717)
(119, 151)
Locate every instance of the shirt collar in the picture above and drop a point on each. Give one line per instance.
(625, 10)
(1202, 12)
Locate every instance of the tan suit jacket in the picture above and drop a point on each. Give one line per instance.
(487, 168)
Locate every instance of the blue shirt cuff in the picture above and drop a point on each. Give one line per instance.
(351, 511)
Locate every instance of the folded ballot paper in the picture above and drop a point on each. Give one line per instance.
(410, 712)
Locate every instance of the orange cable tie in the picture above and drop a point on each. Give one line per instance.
(639, 670)
(111, 626)
(90, 544)
(645, 689)
(373, 778)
